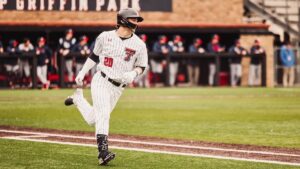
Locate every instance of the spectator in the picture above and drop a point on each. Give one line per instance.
(82, 48)
(235, 63)
(213, 47)
(43, 54)
(176, 47)
(12, 66)
(193, 65)
(24, 48)
(287, 58)
(157, 65)
(255, 66)
(65, 45)
(143, 80)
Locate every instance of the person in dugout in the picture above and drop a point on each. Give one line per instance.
(44, 54)
(25, 48)
(193, 65)
(161, 46)
(83, 49)
(65, 45)
(12, 65)
(235, 62)
(176, 46)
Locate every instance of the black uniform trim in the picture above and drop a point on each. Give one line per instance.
(94, 57)
(143, 68)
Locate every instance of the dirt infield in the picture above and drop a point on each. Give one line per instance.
(274, 155)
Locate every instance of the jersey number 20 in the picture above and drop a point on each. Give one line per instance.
(108, 61)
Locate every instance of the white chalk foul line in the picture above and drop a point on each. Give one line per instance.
(157, 151)
(43, 134)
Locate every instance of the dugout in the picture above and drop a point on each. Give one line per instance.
(228, 33)
(189, 18)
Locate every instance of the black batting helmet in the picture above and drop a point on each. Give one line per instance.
(123, 16)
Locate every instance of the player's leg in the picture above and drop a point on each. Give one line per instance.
(291, 76)
(40, 75)
(196, 75)
(69, 64)
(104, 99)
(86, 110)
(232, 74)
(285, 77)
(212, 72)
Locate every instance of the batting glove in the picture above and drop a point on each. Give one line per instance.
(128, 77)
(79, 79)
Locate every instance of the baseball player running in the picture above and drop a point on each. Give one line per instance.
(120, 56)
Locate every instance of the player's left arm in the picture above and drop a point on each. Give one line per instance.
(139, 66)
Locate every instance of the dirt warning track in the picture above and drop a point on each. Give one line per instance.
(283, 156)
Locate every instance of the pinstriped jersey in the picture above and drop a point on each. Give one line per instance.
(118, 56)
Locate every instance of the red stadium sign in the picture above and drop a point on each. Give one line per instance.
(85, 5)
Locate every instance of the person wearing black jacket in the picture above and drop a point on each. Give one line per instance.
(12, 65)
(84, 50)
(235, 63)
(43, 54)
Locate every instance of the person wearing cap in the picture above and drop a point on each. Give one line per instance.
(176, 46)
(120, 56)
(255, 65)
(43, 53)
(213, 47)
(12, 65)
(25, 48)
(84, 50)
(161, 46)
(288, 60)
(235, 62)
(193, 65)
(65, 45)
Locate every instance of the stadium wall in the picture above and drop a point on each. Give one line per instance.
(188, 11)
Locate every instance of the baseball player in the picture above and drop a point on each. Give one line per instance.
(120, 56)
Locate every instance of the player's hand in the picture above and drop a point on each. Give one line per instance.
(128, 77)
(79, 79)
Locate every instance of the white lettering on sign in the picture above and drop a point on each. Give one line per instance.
(83, 5)
(32, 5)
(42, 5)
(124, 4)
(112, 5)
(73, 6)
(99, 4)
(2, 3)
(136, 4)
(20, 5)
(50, 5)
(62, 5)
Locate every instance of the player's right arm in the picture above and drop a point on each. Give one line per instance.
(91, 61)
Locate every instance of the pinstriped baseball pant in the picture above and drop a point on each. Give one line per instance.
(105, 96)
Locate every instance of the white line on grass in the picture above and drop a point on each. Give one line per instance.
(42, 134)
(157, 151)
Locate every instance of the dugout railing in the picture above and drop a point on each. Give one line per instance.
(217, 58)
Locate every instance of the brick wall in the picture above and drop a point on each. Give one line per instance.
(192, 11)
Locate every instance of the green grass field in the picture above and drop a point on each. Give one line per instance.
(256, 116)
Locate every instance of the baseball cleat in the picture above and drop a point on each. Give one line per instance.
(69, 101)
(104, 160)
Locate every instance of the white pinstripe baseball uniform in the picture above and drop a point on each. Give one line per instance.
(116, 57)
